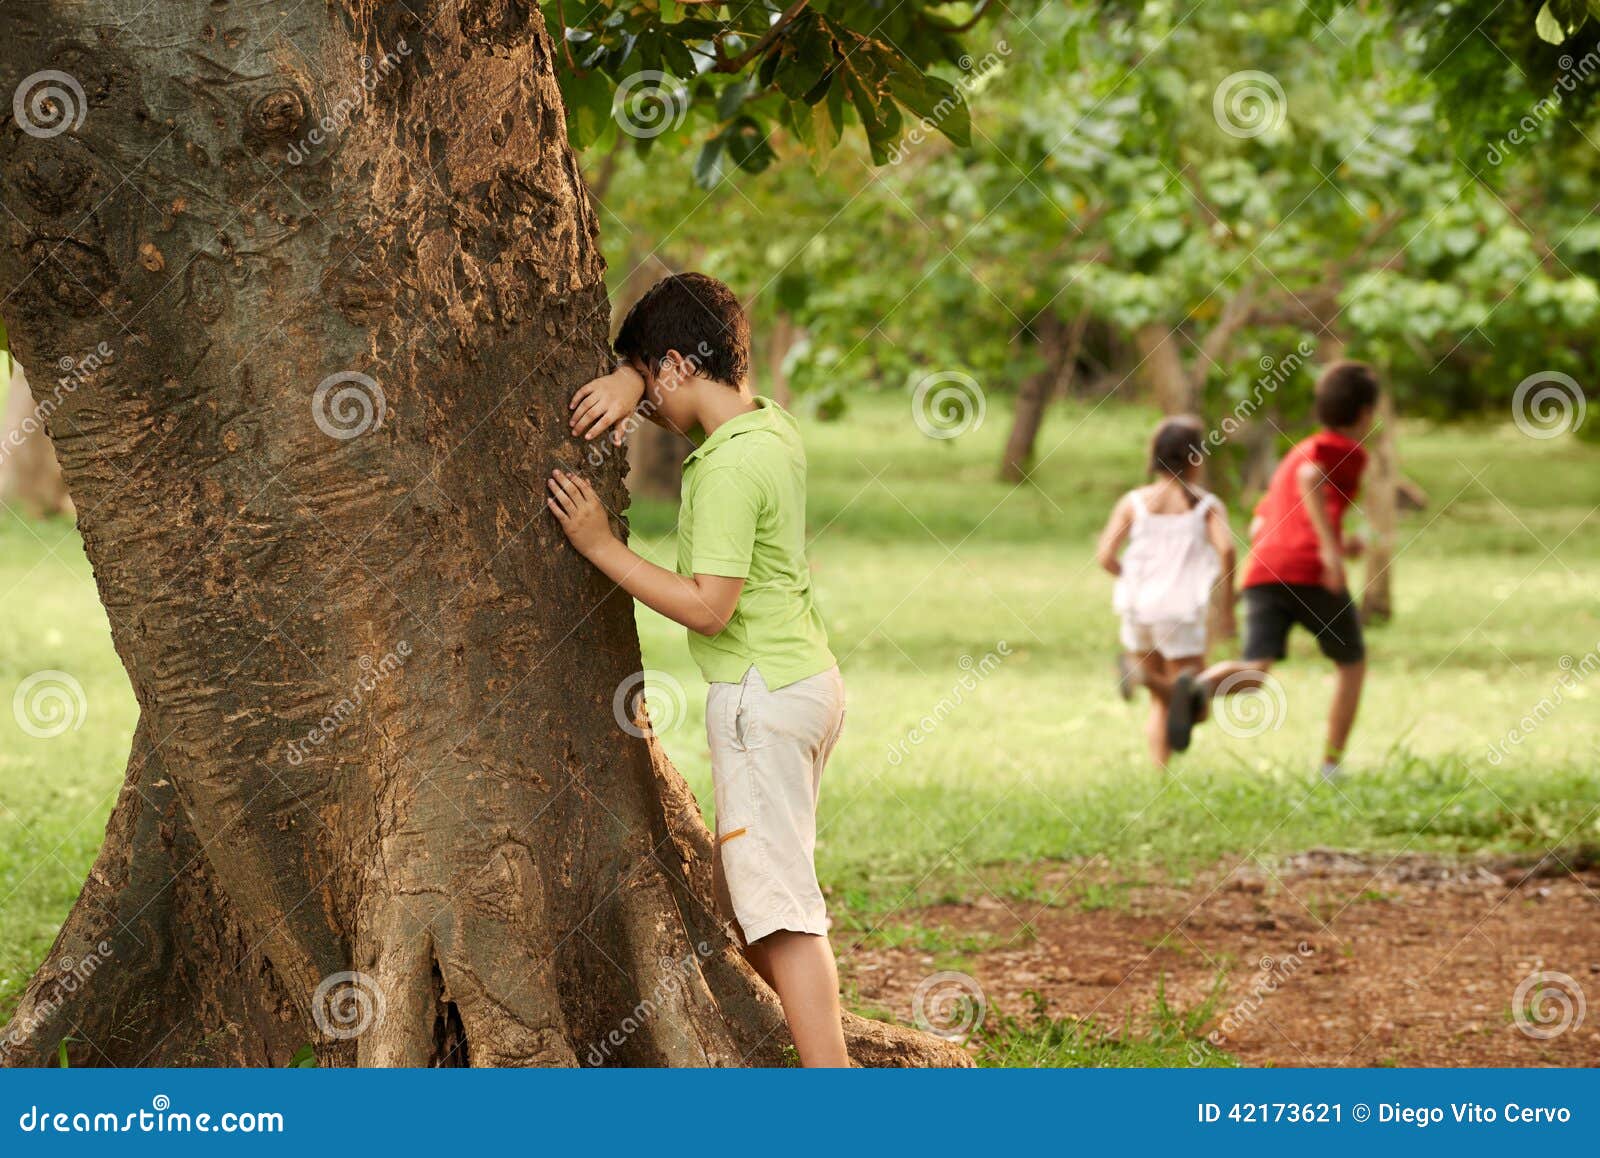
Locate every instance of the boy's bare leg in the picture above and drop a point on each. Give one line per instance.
(1342, 711)
(806, 980)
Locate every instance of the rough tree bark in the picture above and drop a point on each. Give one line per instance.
(376, 688)
(30, 476)
(1382, 505)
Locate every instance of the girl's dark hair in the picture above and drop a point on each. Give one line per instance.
(1178, 444)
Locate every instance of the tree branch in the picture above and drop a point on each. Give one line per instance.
(778, 27)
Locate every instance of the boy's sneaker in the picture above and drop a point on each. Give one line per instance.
(1185, 711)
(1331, 770)
(1127, 675)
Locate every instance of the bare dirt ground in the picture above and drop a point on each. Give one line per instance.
(1330, 959)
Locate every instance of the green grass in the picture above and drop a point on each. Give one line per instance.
(921, 558)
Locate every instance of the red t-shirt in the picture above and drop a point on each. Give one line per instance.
(1285, 549)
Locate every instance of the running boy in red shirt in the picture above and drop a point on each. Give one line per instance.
(1296, 569)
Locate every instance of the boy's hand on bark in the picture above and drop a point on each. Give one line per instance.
(579, 511)
(605, 403)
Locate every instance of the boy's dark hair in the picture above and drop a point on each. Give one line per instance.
(697, 316)
(1177, 444)
(1344, 391)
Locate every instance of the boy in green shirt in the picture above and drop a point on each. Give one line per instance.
(742, 587)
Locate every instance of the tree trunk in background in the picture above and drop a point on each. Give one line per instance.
(1059, 345)
(378, 801)
(30, 476)
(1381, 504)
(1162, 365)
(782, 338)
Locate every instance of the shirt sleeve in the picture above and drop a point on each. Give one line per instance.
(1342, 466)
(727, 507)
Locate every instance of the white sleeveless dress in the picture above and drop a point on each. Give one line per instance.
(1168, 570)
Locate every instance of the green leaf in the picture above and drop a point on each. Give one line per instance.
(708, 165)
(1549, 26)
(670, 11)
(305, 1058)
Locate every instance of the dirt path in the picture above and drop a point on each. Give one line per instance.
(1331, 960)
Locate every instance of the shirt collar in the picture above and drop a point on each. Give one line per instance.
(763, 417)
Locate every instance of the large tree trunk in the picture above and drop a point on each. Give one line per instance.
(378, 801)
(30, 476)
(1171, 388)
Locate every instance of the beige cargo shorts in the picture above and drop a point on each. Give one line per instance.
(768, 749)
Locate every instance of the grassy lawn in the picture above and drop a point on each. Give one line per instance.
(925, 565)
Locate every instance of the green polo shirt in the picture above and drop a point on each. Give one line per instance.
(744, 516)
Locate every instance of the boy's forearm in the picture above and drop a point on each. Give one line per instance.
(665, 592)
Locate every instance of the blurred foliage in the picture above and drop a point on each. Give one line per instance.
(1297, 171)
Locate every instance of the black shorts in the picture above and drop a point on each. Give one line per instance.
(1271, 609)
